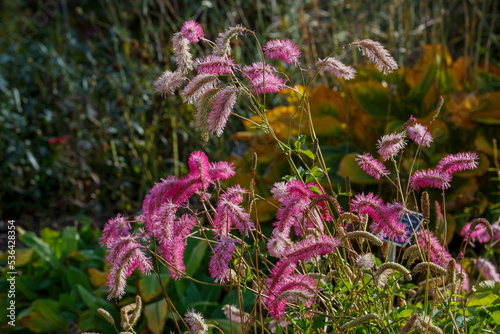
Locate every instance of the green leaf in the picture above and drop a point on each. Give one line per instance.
(76, 276)
(195, 257)
(37, 323)
(149, 288)
(229, 327)
(50, 310)
(372, 98)
(39, 247)
(308, 153)
(156, 314)
(69, 241)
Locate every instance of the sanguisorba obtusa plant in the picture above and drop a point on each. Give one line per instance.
(318, 271)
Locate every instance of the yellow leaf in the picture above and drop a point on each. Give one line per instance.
(98, 278)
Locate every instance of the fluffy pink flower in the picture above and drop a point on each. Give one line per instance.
(214, 65)
(277, 244)
(420, 135)
(221, 170)
(299, 288)
(372, 166)
(390, 145)
(271, 84)
(172, 246)
(480, 232)
(192, 31)
(309, 248)
(197, 88)
(168, 82)
(433, 178)
(219, 263)
(458, 162)
(199, 167)
(337, 68)
(378, 55)
(222, 43)
(384, 221)
(430, 244)
(282, 49)
(257, 70)
(439, 213)
(196, 322)
(114, 229)
(489, 269)
(125, 255)
(183, 57)
(294, 199)
(224, 103)
(229, 213)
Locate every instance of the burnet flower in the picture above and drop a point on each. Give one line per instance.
(114, 229)
(229, 213)
(222, 43)
(125, 255)
(390, 145)
(214, 64)
(183, 57)
(433, 178)
(384, 220)
(222, 108)
(488, 269)
(196, 322)
(371, 165)
(218, 267)
(192, 31)
(378, 55)
(420, 134)
(337, 68)
(168, 82)
(458, 162)
(295, 288)
(431, 245)
(285, 50)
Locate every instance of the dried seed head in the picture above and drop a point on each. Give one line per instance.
(254, 160)
(429, 266)
(364, 234)
(410, 324)
(365, 261)
(385, 248)
(125, 319)
(483, 221)
(393, 266)
(137, 311)
(451, 272)
(348, 184)
(410, 250)
(411, 293)
(414, 256)
(361, 320)
(106, 315)
(426, 208)
(315, 147)
(234, 314)
(438, 108)
(378, 55)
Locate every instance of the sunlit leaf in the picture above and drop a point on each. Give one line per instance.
(156, 313)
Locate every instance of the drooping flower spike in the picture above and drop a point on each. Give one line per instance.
(168, 82)
(337, 68)
(183, 57)
(214, 64)
(221, 257)
(378, 55)
(222, 43)
(221, 109)
(433, 178)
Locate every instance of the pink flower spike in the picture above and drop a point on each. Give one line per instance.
(224, 103)
(168, 82)
(430, 245)
(183, 57)
(311, 247)
(197, 88)
(282, 49)
(337, 68)
(377, 54)
(125, 255)
(271, 84)
(215, 65)
(199, 167)
(489, 269)
(458, 162)
(114, 229)
(192, 31)
(420, 134)
(221, 170)
(257, 69)
(371, 165)
(219, 263)
(433, 178)
(390, 145)
(300, 288)
(196, 322)
(223, 42)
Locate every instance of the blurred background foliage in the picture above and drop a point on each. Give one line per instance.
(83, 134)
